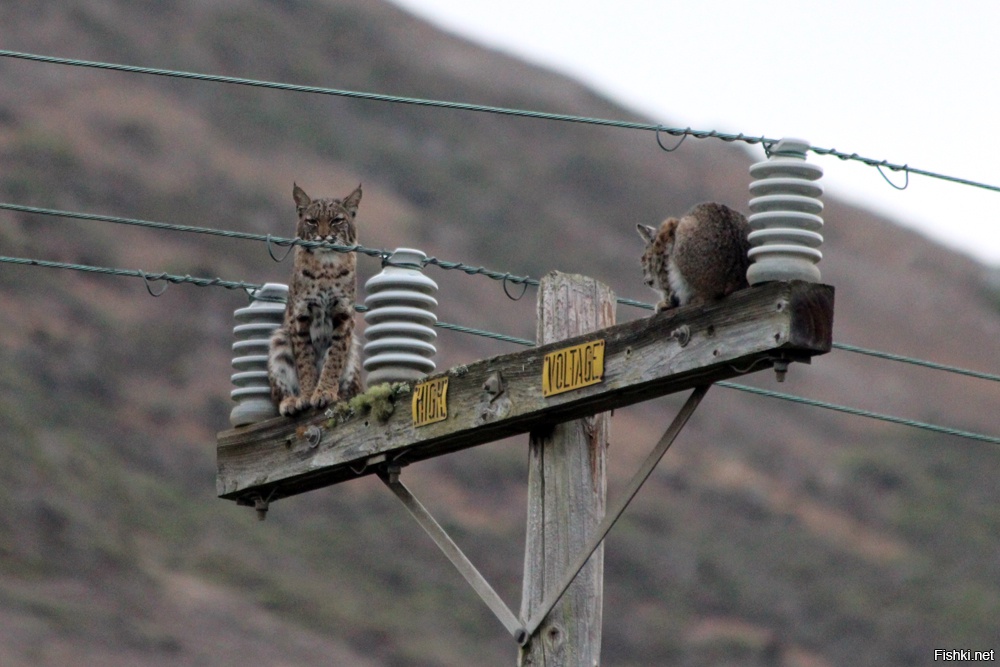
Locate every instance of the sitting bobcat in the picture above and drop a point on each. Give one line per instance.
(313, 358)
(698, 258)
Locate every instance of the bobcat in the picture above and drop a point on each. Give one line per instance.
(698, 258)
(313, 358)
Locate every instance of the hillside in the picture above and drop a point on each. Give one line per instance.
(771, 534)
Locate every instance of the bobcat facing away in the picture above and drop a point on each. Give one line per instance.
(698, 258)
(313, 358)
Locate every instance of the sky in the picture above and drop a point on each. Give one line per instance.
(912, 82)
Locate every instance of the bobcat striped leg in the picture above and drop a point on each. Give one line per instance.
(334, 361)
(350, 378)
(281, 373)
(304, 354)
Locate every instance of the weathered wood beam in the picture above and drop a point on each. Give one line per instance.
(503, 396)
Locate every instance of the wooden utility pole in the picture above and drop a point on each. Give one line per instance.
(566, 493)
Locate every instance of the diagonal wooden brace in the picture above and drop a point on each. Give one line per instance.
(552, 598)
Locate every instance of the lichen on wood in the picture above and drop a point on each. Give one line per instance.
(378, 402)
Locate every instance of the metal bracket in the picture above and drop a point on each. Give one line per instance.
(553, 597)
(465, 567)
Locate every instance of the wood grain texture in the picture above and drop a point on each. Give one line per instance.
(567, 490)
(494, 398)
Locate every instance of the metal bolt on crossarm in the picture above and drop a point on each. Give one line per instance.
(399, 320)
(254, 326)
(784, 217)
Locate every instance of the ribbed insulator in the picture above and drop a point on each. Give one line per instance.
(254, 326)
(784, 217)
(399, 321)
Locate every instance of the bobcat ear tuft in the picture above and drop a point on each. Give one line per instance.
(301, 198)
(352, 200)
(646, 232)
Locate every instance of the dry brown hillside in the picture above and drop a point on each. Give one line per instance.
(772, 534)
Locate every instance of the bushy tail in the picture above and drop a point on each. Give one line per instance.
(351, 383)
(281, 367)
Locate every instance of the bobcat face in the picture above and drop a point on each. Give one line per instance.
(651, 263)
(313, 356)
(327, 220)
(659, 245)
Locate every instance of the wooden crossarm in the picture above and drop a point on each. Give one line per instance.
(502, 396)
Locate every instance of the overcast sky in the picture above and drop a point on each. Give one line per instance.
(911, 82)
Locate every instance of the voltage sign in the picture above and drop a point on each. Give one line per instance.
(573, 367)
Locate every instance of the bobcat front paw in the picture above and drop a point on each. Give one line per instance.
(292, 405)
(321, 399)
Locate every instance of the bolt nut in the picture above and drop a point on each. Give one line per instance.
(261, 506)
(314, 434)
(780, 369)
(682, 335)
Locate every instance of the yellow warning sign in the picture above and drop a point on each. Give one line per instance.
(430, 401)
(573, 367)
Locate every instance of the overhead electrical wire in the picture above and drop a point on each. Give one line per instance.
(916, 362)
(468, 269)
(381, 254)
(249, 288)
(912, 423)
(442, 264)
(131, 273)
(464, 106)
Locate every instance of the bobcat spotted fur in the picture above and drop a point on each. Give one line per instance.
(313, 358)
(697, 258)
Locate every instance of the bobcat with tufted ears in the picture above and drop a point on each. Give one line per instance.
(313, 359)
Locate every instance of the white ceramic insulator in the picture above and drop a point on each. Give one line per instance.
(399, 321)
(254, 326)
(785, 216)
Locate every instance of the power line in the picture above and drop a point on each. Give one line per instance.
(464, 106)
(267, 238)
(320, 90)
(271, 239)
(468, 269)
(485, 334)
(147, 277)
(228, 284)
(636, 304)
(916, 362)
(863, 413)
(481, 271)
(249, 287)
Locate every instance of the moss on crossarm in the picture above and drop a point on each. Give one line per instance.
(377, 402)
